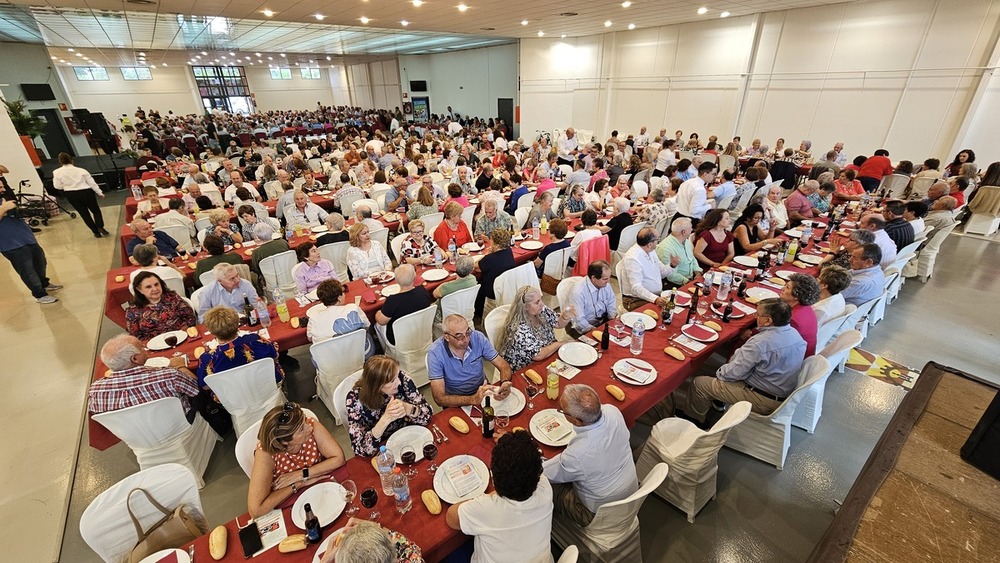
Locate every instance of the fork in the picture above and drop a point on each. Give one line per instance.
(444, 438)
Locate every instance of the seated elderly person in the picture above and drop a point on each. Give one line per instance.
(528, 334)
(237, 182)
(822, 198)
(365, 541)
(312, 268)
(914, 214)
(592, 300)
(453, 228)
(346, 190)
(867, 279)
(363, 214)
(842, 257)
(775, 213)
(897, 228)
(148, 260)
(293, 451)
(233, 350)
(335, 230)
(151, 204)
(875, 223)
(542, 209)
(657, 208)
(408, 300)
(228, 289)
(365, 256)
(464, 266)
(166, 246)
(155, 308)
(801, 292)
(942, 213)
(419, 248)
(763, 371)
(596, 467)
(244, 197)
(797, 204)
(334, 316)
(491, 219)
(575, 205)
(220, 226)
(304, 212)
(618, 223)
(677, 250)
(557, 233)
(455, 365)
(832, 281)
(216, 255)
(248, 219)
(267, 245)
(383, 401)
(131, 383)
(643, 272)
(177, 216)
(516, 518)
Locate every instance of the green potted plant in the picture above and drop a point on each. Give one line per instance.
(27, 126)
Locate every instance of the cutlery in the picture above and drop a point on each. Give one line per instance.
(638, 367)
(443, 436)
(191, 553)
(437, 438)
(617, 377)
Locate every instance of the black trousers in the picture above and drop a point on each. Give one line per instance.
(29, 263)
(85, 204)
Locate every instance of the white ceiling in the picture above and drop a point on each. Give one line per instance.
(113, 31)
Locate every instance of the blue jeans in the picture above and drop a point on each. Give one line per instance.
(29, 263)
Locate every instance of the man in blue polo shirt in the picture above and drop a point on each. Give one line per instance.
(166, 246)
(455, 365)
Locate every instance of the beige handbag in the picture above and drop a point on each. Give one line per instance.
(172, 531)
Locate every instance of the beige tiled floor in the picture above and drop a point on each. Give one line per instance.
(47, 358)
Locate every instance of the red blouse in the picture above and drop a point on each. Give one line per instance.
(716, 251)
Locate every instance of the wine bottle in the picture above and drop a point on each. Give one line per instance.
(668, 314)
(313, 532)
(741, 290)
(727, 313)
(487, 419)
(605, 336)
(249, 311)
(692, 306)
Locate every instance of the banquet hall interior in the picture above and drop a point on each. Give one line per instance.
(915, 77)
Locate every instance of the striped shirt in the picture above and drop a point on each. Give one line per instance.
(139, 385)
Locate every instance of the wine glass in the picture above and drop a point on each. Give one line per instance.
(408, 456)
(350, 491)
(369, 498)
(531, 390)
(502, 420)
(171, 340)
(431, 452)
(703, 307)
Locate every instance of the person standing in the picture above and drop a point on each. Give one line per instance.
(18, 245)
(80, 188)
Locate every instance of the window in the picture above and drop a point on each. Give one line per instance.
(224, 87)
(91, 73)
(136, 73)
(281, 74)
(310, 73)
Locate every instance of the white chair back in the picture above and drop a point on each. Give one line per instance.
(628, 236)
(370, 203)
(411, 168)
(316, 165)
(272, 189)
(555, 263)
(277, 271)
(725, 202)
(467, 214)
(569, 555)
(431, 222)
(640, 189)
(200, 225)
(565, 289)
(246, 444)
(413, 189)
(521, 217)
(381, 235)
(919, 187)
(810, 408)
(174, 282)
(743, 201)
(179, 233)
(928, 254)
(565, 170)
(841, 346)
(437, 177)
(461, 302)
(893, 185)
(507, 283)
(726, 161)
(527, 200)
(105, 524)
(413, 334)
(348, 201)
(336, 359)
(376, 192)
(247, 391)
(340, 396)
(396, 246)
(831, 327)
(336, 253)
(298, 182)
(493, 323)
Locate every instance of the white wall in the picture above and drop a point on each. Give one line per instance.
(903, 74)
(171, 89)
(296, 93)
(372, 85)
(469, 81)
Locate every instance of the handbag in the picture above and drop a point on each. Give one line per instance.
(172, 531)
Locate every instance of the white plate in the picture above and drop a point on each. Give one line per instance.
(619, 369)
(474, 201)
(760, 293)
(383, 277)
(531, 244)
(811, 259)
(632, 317)
(577, 354)
(472, 247)
(785, 274)
(687, 328)
(325, 544)
(157, 362)
(748, 261)
(793, 233)
(436, 274)
(682, 298)
(390, 290)
(570, 234)
(322, 192)
(512, 405)
(320, 229)
(443, 488)
(326, 500)
(477, 257)
(537, 433)
(182, 556)
(158, 342)
(415, 436)
(313, 295)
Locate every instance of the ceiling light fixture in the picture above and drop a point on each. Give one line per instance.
(541, 33)
(631, 26)
(257, 54)
(320, 17)
(404, 23)
(164, 64)
(563, 36)
(524, 22)
(608, 23)
(462, 7)
(79, 54)
(71, 49)
(418, 3)
(270, 58)
(328, 57)
(364, 20)
(204, 53)
(724, 15)
(268, 13)
(152, 66)
(626, 4)
(232, 54)
(141, 54)
(282, 55)
(54, 58)
(702, 11)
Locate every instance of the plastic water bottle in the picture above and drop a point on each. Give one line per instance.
(280, 306)
(438, 259)
(452, 250)
(262, 314)
(401, 489)
(386, 463)
(289, 232)
(807, 235)
(722, 293)
(638, 333)
(536, 228)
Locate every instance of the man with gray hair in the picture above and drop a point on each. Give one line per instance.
(596, 467)
(798, 205)
(763, 371)
(408, 300)
(148, 260)
(875, 223)
(130, 383)
(335, 230)
(267, 245)
(678, 251)
(491, 219)
(227, 290)
(363, 214)
(367, 542)
(942, 213)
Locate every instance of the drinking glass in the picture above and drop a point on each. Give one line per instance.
(350, 491)
(531, 390)
(369, 498)
(703, 307)
(431, 452)
(502, 420)
(408, 456)
(171, 340)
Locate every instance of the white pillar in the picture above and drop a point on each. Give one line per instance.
(15, 157)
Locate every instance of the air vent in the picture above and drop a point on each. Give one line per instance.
(488, 28)
(141, 2)
(564, 14)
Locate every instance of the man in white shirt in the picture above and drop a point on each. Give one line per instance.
(692, 196)
(643, 272)
(841, 159)
(596, 467)
(568, 146)
(641, 141)
(189, 179)
(175, 217)
(876, 224)
(592, 299)
(304, 212)
(237, 178)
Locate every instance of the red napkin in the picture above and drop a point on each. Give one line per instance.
(482, 453)
(169, 558)
(418, 280)
(698, 332)
(682, 300)
(369, 296)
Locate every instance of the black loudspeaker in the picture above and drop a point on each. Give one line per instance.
(82, 118)
(99, 126)
(982, 449)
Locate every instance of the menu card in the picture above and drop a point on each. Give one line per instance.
(689, 343)
(744, 308)
(552, 427)
(463, 477)
(272, 530)
(633, 372)
(564, 370)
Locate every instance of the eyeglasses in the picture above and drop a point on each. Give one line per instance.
(461, 335)
(417, 232)
(286, 412)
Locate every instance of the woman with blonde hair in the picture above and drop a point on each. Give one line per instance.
(418, 248)
(425, 204)
(365, 256)
(529, 331)
(383, 401)
(453, 227)
(293, 451)
(221, 226)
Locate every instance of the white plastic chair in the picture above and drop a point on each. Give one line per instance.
(626, 241)
(521, 216)
(902, 259)
(158, 432)
(613, 534)
(370, 203)
(527, 200)
(201, 224)
(336, 359)
(461, 302)
(565, 289)
(622, 281)
(569, 555)
(810, 408)
(565, 169)
(640, 189)
(556, 263)
(893, 185)
(411, 168)
(767, 438)
(726, 161)
(336, 253)
(830, 328)
(277, 271)
(928, 254)
(919, 187)
(878, 311)
(106, 526)
(743, 202)
(396, 247)
(247, 391)
(467, 214)
(179, 233)
(436, 177)
(381, 235)
(725, 202)
(413, 334)
(247, 443)
(693, 457)
(431, 222)
(507, 283)
(348, 201)
(681, 155)
(174, 281)
(493, 324)
(340, 395)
